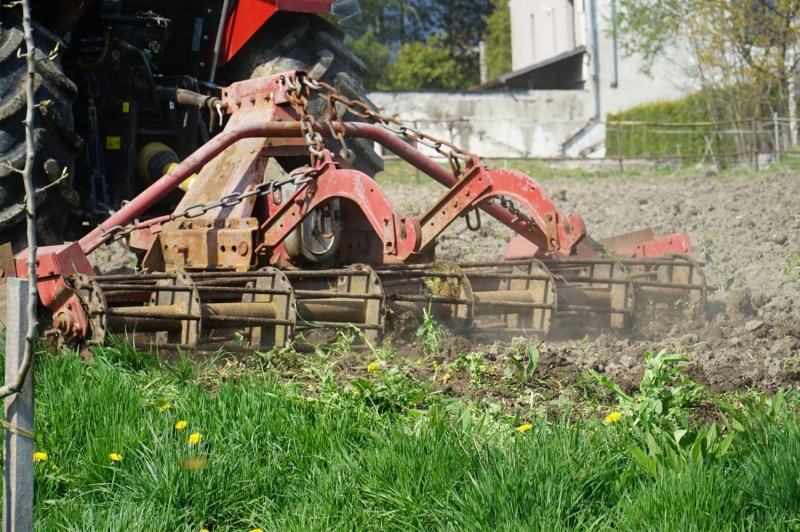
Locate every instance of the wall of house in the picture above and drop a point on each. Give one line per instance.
(540, 31)
(499, 124)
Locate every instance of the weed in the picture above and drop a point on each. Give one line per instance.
(665, 394)
(473, 364)
(791, 267)
(430, 332)
(524, 373)
(791, 364)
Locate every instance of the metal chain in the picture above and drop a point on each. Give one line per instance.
(299, 88)
(273, 189)
(450, 151)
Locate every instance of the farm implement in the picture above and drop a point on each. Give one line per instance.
(266, 245)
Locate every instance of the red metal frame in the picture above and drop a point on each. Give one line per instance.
(259, 108)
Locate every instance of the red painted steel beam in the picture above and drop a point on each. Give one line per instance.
(252, 124)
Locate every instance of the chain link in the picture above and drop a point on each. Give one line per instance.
(274, 189)
(450, 151)
(299, 90)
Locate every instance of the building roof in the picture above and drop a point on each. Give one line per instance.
(561, 72)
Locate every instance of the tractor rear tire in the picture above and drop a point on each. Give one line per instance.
(297, 41)
(56, 141)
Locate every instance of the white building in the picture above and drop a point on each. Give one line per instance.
(549, 105)
(571, 45)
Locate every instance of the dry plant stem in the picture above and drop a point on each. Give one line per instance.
(30, 203)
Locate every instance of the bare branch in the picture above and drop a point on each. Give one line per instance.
(64, 175)
(30, 200)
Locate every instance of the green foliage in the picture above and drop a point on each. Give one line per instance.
(791, 267)
(664, 395)
(375, 55)
(423, 66)
(276, 457)
(524, 373)
(403, 29)
(430, 332)
(498, 39)
(652, 140)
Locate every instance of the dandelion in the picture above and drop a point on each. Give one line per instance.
(54, 467)
(613, 416)
(256, 530)
(372, 367)
(180, 425)
(197, 463)
(419, 362)
(524, 428)
(39, 457)
(435, 364)
(163, 405)
(203, 530)
(194, 439)
(115, 457)
(446, 377)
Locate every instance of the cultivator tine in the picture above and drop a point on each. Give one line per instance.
(350, 297)
(441, 288)
(260, 309)
(671, 287)
(511, 298)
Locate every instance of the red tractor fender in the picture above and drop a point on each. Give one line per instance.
(249, 15)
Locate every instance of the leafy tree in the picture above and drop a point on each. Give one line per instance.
(375, 55)
(743, 53)
(498, 39)
(457, 24)
(423, 66)
(462, 24)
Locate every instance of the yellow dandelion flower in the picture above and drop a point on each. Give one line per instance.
(524, 428)
(446, 377)
(419, 362)
(39, 457)
(54, 467)
(256, 530)
(613, 416)
(203, 530)
(163, 405)
(194, 439)
(372, 367)
(180, 425)
(435, 364)
(115, 457)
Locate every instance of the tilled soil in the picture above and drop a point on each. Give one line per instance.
(745, 228)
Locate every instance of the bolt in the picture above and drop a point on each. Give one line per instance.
(180, 249)
(2, 273)
(243, 248)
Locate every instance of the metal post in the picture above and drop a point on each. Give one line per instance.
(619, 147)
(754, 129)
(18, 447)
(777, 147)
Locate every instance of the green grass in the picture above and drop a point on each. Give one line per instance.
(399, 172)
(276, 457)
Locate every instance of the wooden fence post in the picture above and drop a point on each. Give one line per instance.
(18, 441)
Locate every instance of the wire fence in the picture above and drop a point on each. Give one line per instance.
(723, 142)
(750, 141)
